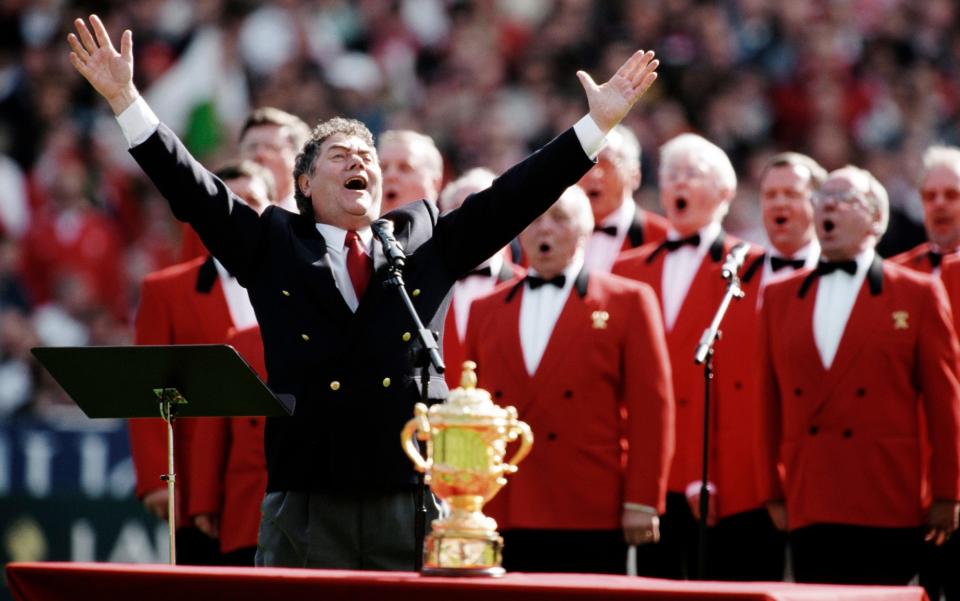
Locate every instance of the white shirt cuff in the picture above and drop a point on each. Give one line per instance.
(138, 122)
(592, 139)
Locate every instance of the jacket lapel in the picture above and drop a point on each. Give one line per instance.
(797, 333)
(509, 332)
(564, 334)
(702, 298)
(313, 262)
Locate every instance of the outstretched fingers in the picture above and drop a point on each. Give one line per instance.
(101, 32)
(126, 45)
(85, 37)
(77, 47)
(80, 65)
(636, 64)
(643, 84)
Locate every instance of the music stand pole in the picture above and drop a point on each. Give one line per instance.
(704, 356)
(203, 380)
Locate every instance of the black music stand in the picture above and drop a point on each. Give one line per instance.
(170, 382)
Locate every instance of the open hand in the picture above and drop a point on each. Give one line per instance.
(108, 71)
(610, 102)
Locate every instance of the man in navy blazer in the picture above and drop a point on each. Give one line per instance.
(340, 490)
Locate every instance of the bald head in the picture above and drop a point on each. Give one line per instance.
(558, 236)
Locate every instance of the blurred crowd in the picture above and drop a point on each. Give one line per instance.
(871, 82)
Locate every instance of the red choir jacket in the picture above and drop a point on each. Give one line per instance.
(950, 276)
(848, 437)
(182, 304)
(736, 405)
(453, 347)
(232, 467)
(600, 404)
(647, 227)
(918, 258)
(703, 297)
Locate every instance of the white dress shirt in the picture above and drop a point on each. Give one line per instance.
(337, 253)
(679, 269)
(603, 249)
(238, 301)
(470, 288)
(836, 294)
(539, 311)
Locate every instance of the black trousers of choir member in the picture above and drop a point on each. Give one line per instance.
(844, 554)
(575, 551)
(743, 546)
(244, 556)
(940, 569)
(194, 548)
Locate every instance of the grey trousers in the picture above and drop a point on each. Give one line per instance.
(350, 530)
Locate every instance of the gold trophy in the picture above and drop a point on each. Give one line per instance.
(466, 440)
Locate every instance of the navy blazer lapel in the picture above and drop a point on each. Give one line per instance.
(313, 262)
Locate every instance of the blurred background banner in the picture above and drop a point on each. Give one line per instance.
(67, 494)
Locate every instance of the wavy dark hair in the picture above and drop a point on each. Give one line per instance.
(311, 149)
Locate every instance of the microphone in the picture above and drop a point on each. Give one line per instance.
(734, 261)
(383, 230)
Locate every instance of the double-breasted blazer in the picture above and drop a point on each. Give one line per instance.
(849, 438)
(600, 403)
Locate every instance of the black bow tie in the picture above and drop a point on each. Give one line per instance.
(672, 245)
(935, 258)
(535, 282)
(610, 230)
(484, 271)
(828, 267)
(778, 263)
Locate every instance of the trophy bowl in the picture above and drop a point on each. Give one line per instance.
(466, 438)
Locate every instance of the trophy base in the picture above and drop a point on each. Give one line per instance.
(475, 554)
(494, 572)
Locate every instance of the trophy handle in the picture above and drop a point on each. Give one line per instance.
(521, 429)
(417, 424)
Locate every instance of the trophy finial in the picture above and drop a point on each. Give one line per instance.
(468, 379)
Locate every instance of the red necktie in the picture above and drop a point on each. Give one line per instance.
(359, 263)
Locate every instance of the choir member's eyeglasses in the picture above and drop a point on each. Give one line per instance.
(840, 198)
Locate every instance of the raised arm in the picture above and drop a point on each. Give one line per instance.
(229, 228)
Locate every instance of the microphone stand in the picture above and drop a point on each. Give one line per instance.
(704, 356)
(427, 355)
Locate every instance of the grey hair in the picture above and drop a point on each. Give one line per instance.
(697, 145)
(937, 156)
